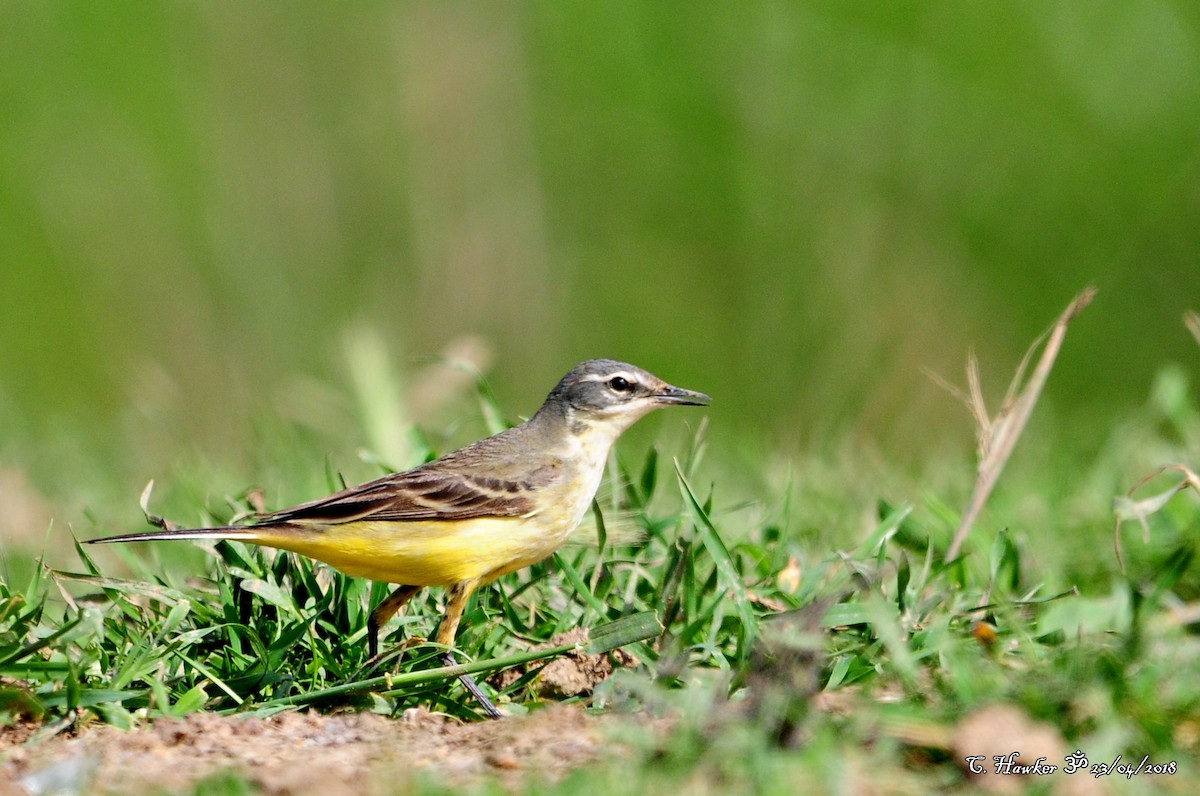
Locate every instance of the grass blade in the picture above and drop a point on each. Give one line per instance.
(729, 576)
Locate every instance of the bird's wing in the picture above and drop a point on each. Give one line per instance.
(421, 494)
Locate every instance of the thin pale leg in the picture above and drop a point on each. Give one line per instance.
(456, 601)
(385, 611)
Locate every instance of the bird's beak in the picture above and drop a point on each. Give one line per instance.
(677, 395)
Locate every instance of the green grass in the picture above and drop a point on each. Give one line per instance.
(265, 631)
(781, 662)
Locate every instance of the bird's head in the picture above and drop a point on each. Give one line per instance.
(616, 393)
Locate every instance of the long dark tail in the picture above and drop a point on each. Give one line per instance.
(228, 532)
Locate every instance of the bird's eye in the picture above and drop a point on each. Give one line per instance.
(620, 384)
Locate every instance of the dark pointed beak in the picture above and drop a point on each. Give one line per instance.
(681, 397)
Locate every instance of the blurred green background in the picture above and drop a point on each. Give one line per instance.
(212, 213)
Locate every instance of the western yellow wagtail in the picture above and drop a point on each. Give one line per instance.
(463, 520)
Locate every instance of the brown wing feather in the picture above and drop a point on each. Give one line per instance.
(422, 494)
(490, 478)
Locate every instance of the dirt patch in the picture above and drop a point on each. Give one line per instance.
(574, 673)
(302, 753)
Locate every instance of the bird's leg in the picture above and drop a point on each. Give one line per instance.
(456, 601)
(468, 682)
(385, 611)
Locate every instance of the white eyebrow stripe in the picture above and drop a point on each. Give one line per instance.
(606, 376)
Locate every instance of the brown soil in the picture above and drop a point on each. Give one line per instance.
(575, 673)
(301, 753)
(331, 755)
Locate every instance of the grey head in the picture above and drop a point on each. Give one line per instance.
(602, 388)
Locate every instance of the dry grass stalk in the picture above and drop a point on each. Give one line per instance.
(1191, 320)
(998, 435)
(1127, 508)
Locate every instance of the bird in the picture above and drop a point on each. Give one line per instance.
(461, 521)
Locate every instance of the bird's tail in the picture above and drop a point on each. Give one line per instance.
(248, 533)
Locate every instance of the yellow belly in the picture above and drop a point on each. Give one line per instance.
(428, 553)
